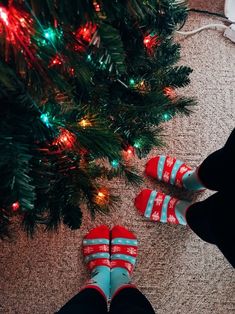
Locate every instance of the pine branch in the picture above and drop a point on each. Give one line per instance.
(114, 55)
(177, 76)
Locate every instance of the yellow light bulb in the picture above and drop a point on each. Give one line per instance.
(85, 123)
(102, 197)
(100, 194)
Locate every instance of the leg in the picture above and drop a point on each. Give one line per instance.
(130, 301)
(217, 171)
(93, 297)
(213, 221)
(126, 299)
(87, 301)
(97, 258)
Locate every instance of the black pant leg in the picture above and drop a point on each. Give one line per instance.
(130, 301)
(217, 171)
(88, 301)
(230, 144)
(213, 220)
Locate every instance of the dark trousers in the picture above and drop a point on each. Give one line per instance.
(213, 219)
(91, 301)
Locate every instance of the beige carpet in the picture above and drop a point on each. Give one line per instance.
(177, 271)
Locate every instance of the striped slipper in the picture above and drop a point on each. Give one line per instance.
(157, 206)
(123, 258)
(96, 247)
(123, 248)
(173, 171)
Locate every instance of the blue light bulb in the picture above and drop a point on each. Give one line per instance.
(45, 118)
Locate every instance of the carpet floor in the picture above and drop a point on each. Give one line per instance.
(178, 272)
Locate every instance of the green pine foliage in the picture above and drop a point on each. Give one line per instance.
(64, 62)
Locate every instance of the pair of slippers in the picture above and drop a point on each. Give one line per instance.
(156, 205)
(112, 248)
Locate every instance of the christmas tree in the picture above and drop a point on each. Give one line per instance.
(81, 82)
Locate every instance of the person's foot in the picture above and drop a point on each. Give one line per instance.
(157, 206)
(123, 258)
(96, 247)
(173, 171)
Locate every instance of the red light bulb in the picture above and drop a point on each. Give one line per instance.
(129, 152)
(55, 61)
(86, 32)
(66, 139)
(169, 92)
(4, 15)
(71, 71)
(146, 40)
(96, 6)
(15, 206)
(150, 42)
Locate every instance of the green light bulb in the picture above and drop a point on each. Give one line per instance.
(166, 116)
(50, 34)
(137, 144)
(114, 163)
(132, 82)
